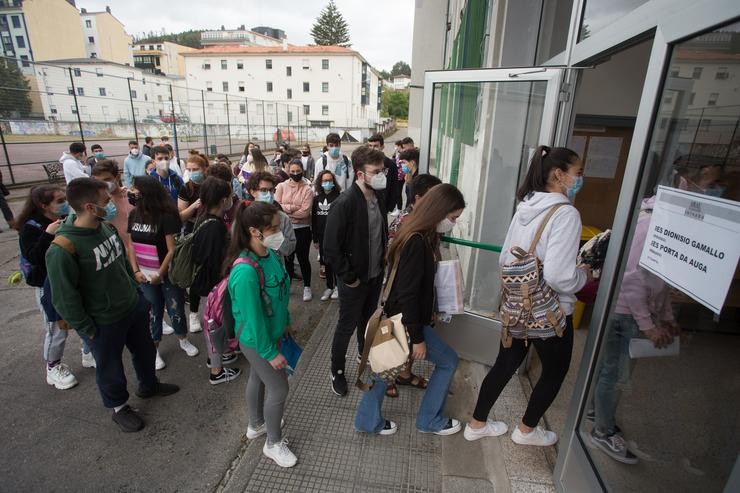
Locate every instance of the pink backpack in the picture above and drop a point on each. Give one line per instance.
(217, 315)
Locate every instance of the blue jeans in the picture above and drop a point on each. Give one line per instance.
(369, 418)
(613, 370)
(161, 296)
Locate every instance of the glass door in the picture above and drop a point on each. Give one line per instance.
(480, 129)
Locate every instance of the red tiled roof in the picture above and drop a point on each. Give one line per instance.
(226, 49)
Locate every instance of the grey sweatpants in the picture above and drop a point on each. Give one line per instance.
(54, 338)
(263, 377)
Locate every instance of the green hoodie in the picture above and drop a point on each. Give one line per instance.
(95, 285)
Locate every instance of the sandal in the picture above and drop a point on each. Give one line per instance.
(412, 381)
(391, 391)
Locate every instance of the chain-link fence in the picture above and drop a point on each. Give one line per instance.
(44, 107)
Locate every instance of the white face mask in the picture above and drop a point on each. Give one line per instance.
(163, 165)
(273, 241)
(134, 152)
(445, 225)
(378, 181)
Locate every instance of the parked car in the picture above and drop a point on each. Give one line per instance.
(151, 119)
(175, 119)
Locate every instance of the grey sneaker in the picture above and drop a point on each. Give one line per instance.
(614, 446)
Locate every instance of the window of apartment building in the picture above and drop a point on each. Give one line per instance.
(306, 87)
(98, 72)
(91, 39)
(240, 86)
(269, 87)
(268, 64)
(7, 41)
(239, 65)
(722, 74)
(20, 42)
(697, 73)
(24, 61)
(78, 72)
(325, 109)
(691, 98)
(713, 97)
(289, 71)
(133, 94)
(16, 21)
(290, 94)
(224, 65)
(159, 98)
(93, 55)
(80, 91)
(306, 64)
(159, 47)
(290, 116)
(151, 47)
(53, 109)
(324, 64)
(146, 97)
(225, 86)
(675, 71)
(324, 87)
(209, 86)
(88, 23)
(70, 91)
(242, 108)
(74, 109)
(207, 65)
(101, 91)
(306, 109)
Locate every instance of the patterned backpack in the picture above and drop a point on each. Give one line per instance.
(530, 308)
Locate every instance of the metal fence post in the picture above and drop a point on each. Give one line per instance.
(133, 113)
(264, 127)
(205, 129)
(7, 157)
(228, 123)
(77, 108)
(174, 126)
(249, 136)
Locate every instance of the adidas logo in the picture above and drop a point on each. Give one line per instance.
(323, 208)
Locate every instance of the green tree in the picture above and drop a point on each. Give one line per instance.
(385, 75)
(401, 68)
(186, 38)
(395, 104)
(330, 27)
(14, 90)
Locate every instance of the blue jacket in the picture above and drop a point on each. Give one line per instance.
(134, 166)
(172, 183)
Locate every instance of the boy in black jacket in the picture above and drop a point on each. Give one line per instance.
(356, 238)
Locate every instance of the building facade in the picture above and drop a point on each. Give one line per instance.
(239, 36)
(162, 58)
(105, 37)
(334, 86)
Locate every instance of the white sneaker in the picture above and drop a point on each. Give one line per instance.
(194, 323)
(167, 329)
(491, 429)
(60, 377)
(326, 295)
(335, 294)
(188, 347)
(159, 363)
(307, 295)
(539, 437)
(390, 428)
(253, 433)
(88, 360)
(280, 453)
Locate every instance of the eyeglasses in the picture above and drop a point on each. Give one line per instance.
(265, 190)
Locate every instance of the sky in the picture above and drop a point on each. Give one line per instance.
(381, 30)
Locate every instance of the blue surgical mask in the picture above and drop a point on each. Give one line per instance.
(264, 197)
(110, 212)
(63, 209)
(99, 155)
(196, 176)
(327, 185)
(572, 190)
(334, 152)
(405, 169)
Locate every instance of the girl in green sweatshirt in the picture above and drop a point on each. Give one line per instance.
(261, 317)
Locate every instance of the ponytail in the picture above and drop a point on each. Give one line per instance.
(544, 160)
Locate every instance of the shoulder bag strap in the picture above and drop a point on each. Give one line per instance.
(541, 228)
(394, 269)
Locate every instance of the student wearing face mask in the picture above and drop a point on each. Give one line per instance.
(167, 178)
(72, 162)
(188, 202)
(261, 312)
(296, 198)
(135, 163)
(247, 152)
(336, 162)
(87, 261)
(107, 170)
(98, 155)
(554, 178)
(413, 256)
(356, 238)
(309, 165)
(327, 191)
(409, 161)
(176, 165)
(261, 188)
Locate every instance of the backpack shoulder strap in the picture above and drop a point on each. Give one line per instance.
(253, 263)
(541, 227)
(65, 243)
(323, 160)
(346, 165)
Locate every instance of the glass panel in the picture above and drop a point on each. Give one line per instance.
(600, 13)
(482, 136)
(675, 418)
(553, 34)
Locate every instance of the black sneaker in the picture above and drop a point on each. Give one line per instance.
(161, 389)
(128, 420)
(226, 375)
(228, 358)
(614, 446)
(338, 383)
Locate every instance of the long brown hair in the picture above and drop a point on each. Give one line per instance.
(259, 161)
(40, 196)
(439, 201)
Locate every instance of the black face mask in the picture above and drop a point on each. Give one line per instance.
(297, 177)
(132, 198)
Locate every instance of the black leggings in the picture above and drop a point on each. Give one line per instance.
(554, 354)
(331, 281)
(302, 247)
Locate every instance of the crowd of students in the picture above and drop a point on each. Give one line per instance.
(99, 255)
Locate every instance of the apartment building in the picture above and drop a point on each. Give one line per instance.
(105, 37)
(243, 37)
(163, 58)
